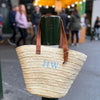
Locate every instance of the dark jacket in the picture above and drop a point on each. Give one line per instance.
(12, 15)
(75, 22)
(35, 18)
(65, 20)
(96, 24)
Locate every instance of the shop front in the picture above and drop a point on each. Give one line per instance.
(69, 5)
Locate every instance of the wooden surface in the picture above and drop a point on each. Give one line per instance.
(82, 34)
(30, 31)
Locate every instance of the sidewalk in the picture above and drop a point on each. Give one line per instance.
(85, 87)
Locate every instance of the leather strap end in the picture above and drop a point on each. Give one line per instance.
(65, 57)
(38, 50)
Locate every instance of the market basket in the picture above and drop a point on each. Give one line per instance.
(50, 72)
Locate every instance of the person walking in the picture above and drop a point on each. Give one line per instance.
(65, 20)
(35, 18)
(97, 28)
(13, 24)
(22, 24)
(75, 26)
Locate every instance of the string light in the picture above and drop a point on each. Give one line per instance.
(46, 7)
(84, 0)
(53, 6)
(76, 2)
(73, 5)
(80, 2)
(40, 6)
(35, 4)
(68, 7)
(36, 0)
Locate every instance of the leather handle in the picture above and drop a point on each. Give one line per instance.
(63, 40)
(38, 43)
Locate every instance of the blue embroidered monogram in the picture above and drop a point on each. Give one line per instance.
(54, 65)
(48, 63)
(44, 63)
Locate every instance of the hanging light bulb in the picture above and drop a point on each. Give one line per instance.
(36, 0)
(40, 6)
(46, 7)
(84, 0)
(68, 7)
(80, 2)
(53, 6)
(76, 2)
(73, 5)
(35, 4)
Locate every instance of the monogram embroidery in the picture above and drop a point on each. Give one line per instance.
(50, 64)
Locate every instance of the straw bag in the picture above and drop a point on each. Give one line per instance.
(50, 72)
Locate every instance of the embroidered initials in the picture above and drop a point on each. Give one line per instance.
(51, 64)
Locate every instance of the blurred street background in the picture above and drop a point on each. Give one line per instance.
(80, 18)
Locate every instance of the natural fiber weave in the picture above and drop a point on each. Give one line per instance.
(44, 79)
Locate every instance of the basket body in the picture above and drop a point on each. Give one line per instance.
(45, 74)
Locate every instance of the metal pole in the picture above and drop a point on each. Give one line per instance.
(50, 41)
(1, 88)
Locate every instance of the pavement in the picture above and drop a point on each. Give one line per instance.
(85, 87)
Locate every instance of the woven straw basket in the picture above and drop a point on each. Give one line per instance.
(49, 72)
